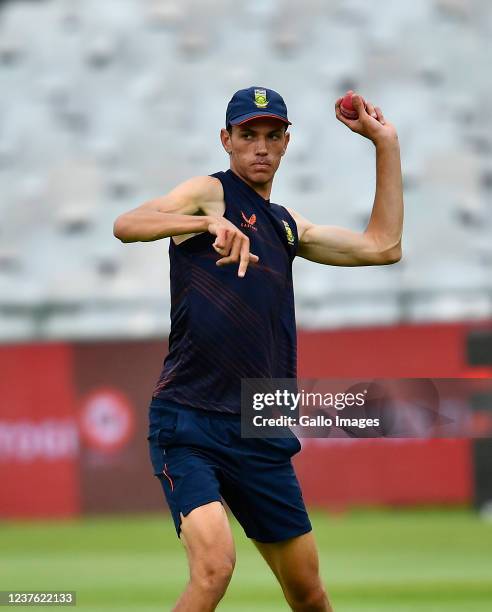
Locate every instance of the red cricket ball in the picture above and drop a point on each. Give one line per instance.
(346, 108)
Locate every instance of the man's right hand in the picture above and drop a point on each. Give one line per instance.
(231, 244)
(193, 207)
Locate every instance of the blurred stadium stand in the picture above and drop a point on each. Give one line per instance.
(106, 104)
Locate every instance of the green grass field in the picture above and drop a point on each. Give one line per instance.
(372, 561)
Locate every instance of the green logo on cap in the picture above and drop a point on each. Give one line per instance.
(261, 98)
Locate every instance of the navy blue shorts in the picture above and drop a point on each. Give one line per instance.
(200, 457)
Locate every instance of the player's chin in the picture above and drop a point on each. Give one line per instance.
(261, 172)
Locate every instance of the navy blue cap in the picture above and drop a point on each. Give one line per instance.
(255, 102)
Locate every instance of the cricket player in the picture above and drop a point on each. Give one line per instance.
(232, 317)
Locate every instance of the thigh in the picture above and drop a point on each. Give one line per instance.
(207, 537)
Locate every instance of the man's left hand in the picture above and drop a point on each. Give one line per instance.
(370, 123)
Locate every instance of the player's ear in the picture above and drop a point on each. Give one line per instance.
(286, 141)
(225, 138)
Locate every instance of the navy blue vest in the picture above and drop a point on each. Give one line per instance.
(224, 328)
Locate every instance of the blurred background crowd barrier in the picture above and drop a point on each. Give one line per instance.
(104, 105)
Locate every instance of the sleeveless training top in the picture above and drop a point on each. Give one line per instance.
(224, 328)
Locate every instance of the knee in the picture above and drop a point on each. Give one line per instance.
(214, 576)
(310, 598)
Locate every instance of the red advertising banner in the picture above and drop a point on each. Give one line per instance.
(404, 351)
(39, 445)
(73, 424)
(348, 472)
(113, 383)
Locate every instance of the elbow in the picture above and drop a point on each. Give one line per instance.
(384, 252)
(121, 229)
(393, 255)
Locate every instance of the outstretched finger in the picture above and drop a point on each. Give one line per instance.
(244, 258)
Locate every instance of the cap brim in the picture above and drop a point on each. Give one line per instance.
(244, 118)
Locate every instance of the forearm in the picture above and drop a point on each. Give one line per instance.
(386, 222)
(151, 225)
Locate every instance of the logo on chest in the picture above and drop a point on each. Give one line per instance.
(288, 233)
(249, 222)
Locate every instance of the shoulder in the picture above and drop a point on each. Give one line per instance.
(283, 213)
(202, 187)
(288, 223)
(301, 222)
(204, 194)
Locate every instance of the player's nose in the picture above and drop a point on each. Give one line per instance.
(261, 148)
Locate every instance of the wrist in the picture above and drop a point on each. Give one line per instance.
(207, 220)
(386, 141)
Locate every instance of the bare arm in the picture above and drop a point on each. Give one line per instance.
(195, 206)
(184, 210)
(380, 243)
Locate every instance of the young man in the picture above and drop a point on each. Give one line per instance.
(232, 317)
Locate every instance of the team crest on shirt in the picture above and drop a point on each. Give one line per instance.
(249, 222)
(289, 233)
(261, 100)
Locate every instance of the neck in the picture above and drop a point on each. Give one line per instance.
(262, 189)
